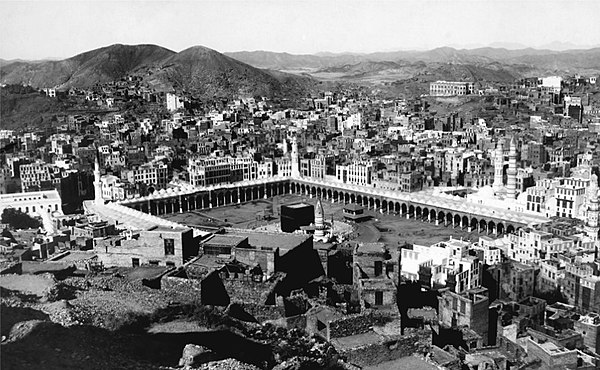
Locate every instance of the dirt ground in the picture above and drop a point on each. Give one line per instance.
(28, 284)
(389, 229)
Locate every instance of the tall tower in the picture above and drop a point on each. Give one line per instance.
(498, 166)
(295, 157)
(511, 181)
(97, 183)
(319, 220)
(591, 226)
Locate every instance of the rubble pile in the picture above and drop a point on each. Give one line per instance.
(227, 364)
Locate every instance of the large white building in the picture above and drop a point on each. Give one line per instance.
(552, 84)
(357, 173)
(205, 171)
(174, 102)
(34, 203)
(450, 88)
(448, 262)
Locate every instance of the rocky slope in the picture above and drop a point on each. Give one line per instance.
(199, 70)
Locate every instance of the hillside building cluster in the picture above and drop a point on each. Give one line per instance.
(519, 171)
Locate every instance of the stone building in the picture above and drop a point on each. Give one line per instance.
(159, 246)
(468, 309)
(375, 276)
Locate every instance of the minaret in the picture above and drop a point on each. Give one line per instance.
(319, 220)
(97, 183)
(295, 164)
(498, 166)
(511, 181)
(591, 226)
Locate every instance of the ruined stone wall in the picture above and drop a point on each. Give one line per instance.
(247, 291)
(413, 342)
(355, 324)
(181, 285)
(263, 313)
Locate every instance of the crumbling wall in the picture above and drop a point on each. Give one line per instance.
(247, 291)
(417, 341)
(181, 285)
(355, 324)
(262, 312)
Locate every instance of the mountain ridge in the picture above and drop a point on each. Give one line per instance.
(198, 69)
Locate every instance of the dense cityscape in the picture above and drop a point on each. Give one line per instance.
(158, 216)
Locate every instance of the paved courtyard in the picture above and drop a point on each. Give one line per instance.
(390, 229)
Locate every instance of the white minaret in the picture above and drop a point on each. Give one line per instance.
(319, 220)
(498, 166)
(295, 158)
(97, 183)
(591, 226)
(511, 180)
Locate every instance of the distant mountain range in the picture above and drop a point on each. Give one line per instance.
(206, 72)
(198, 70)
(516, 62)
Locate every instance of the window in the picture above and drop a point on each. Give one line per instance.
(170, 264)
(135, 262)
(154, 263)
(378, 298)
(169, 247)
(378, 268)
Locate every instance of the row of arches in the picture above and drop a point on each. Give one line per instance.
(242, 194)
(439, 216)
(211, 199)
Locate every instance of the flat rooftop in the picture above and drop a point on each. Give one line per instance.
(73, 256)
(226, 240)
(283, 241)
(30, 196)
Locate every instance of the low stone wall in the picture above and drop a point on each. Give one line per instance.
(262, 312)
(356, 324)
(247, 291)
(388, 350)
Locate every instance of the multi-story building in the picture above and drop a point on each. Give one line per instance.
(209, 171)
(581, 285)
(445, 263)
(357, 173)
(206, 171)
(410, 181)
(174, 102)
(38, 175)
(570, 195)
(450, 88)
(469, 308)
(375, 276)
(551, 275)
(152, 174)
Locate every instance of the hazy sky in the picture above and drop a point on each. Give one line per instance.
(40, 29)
